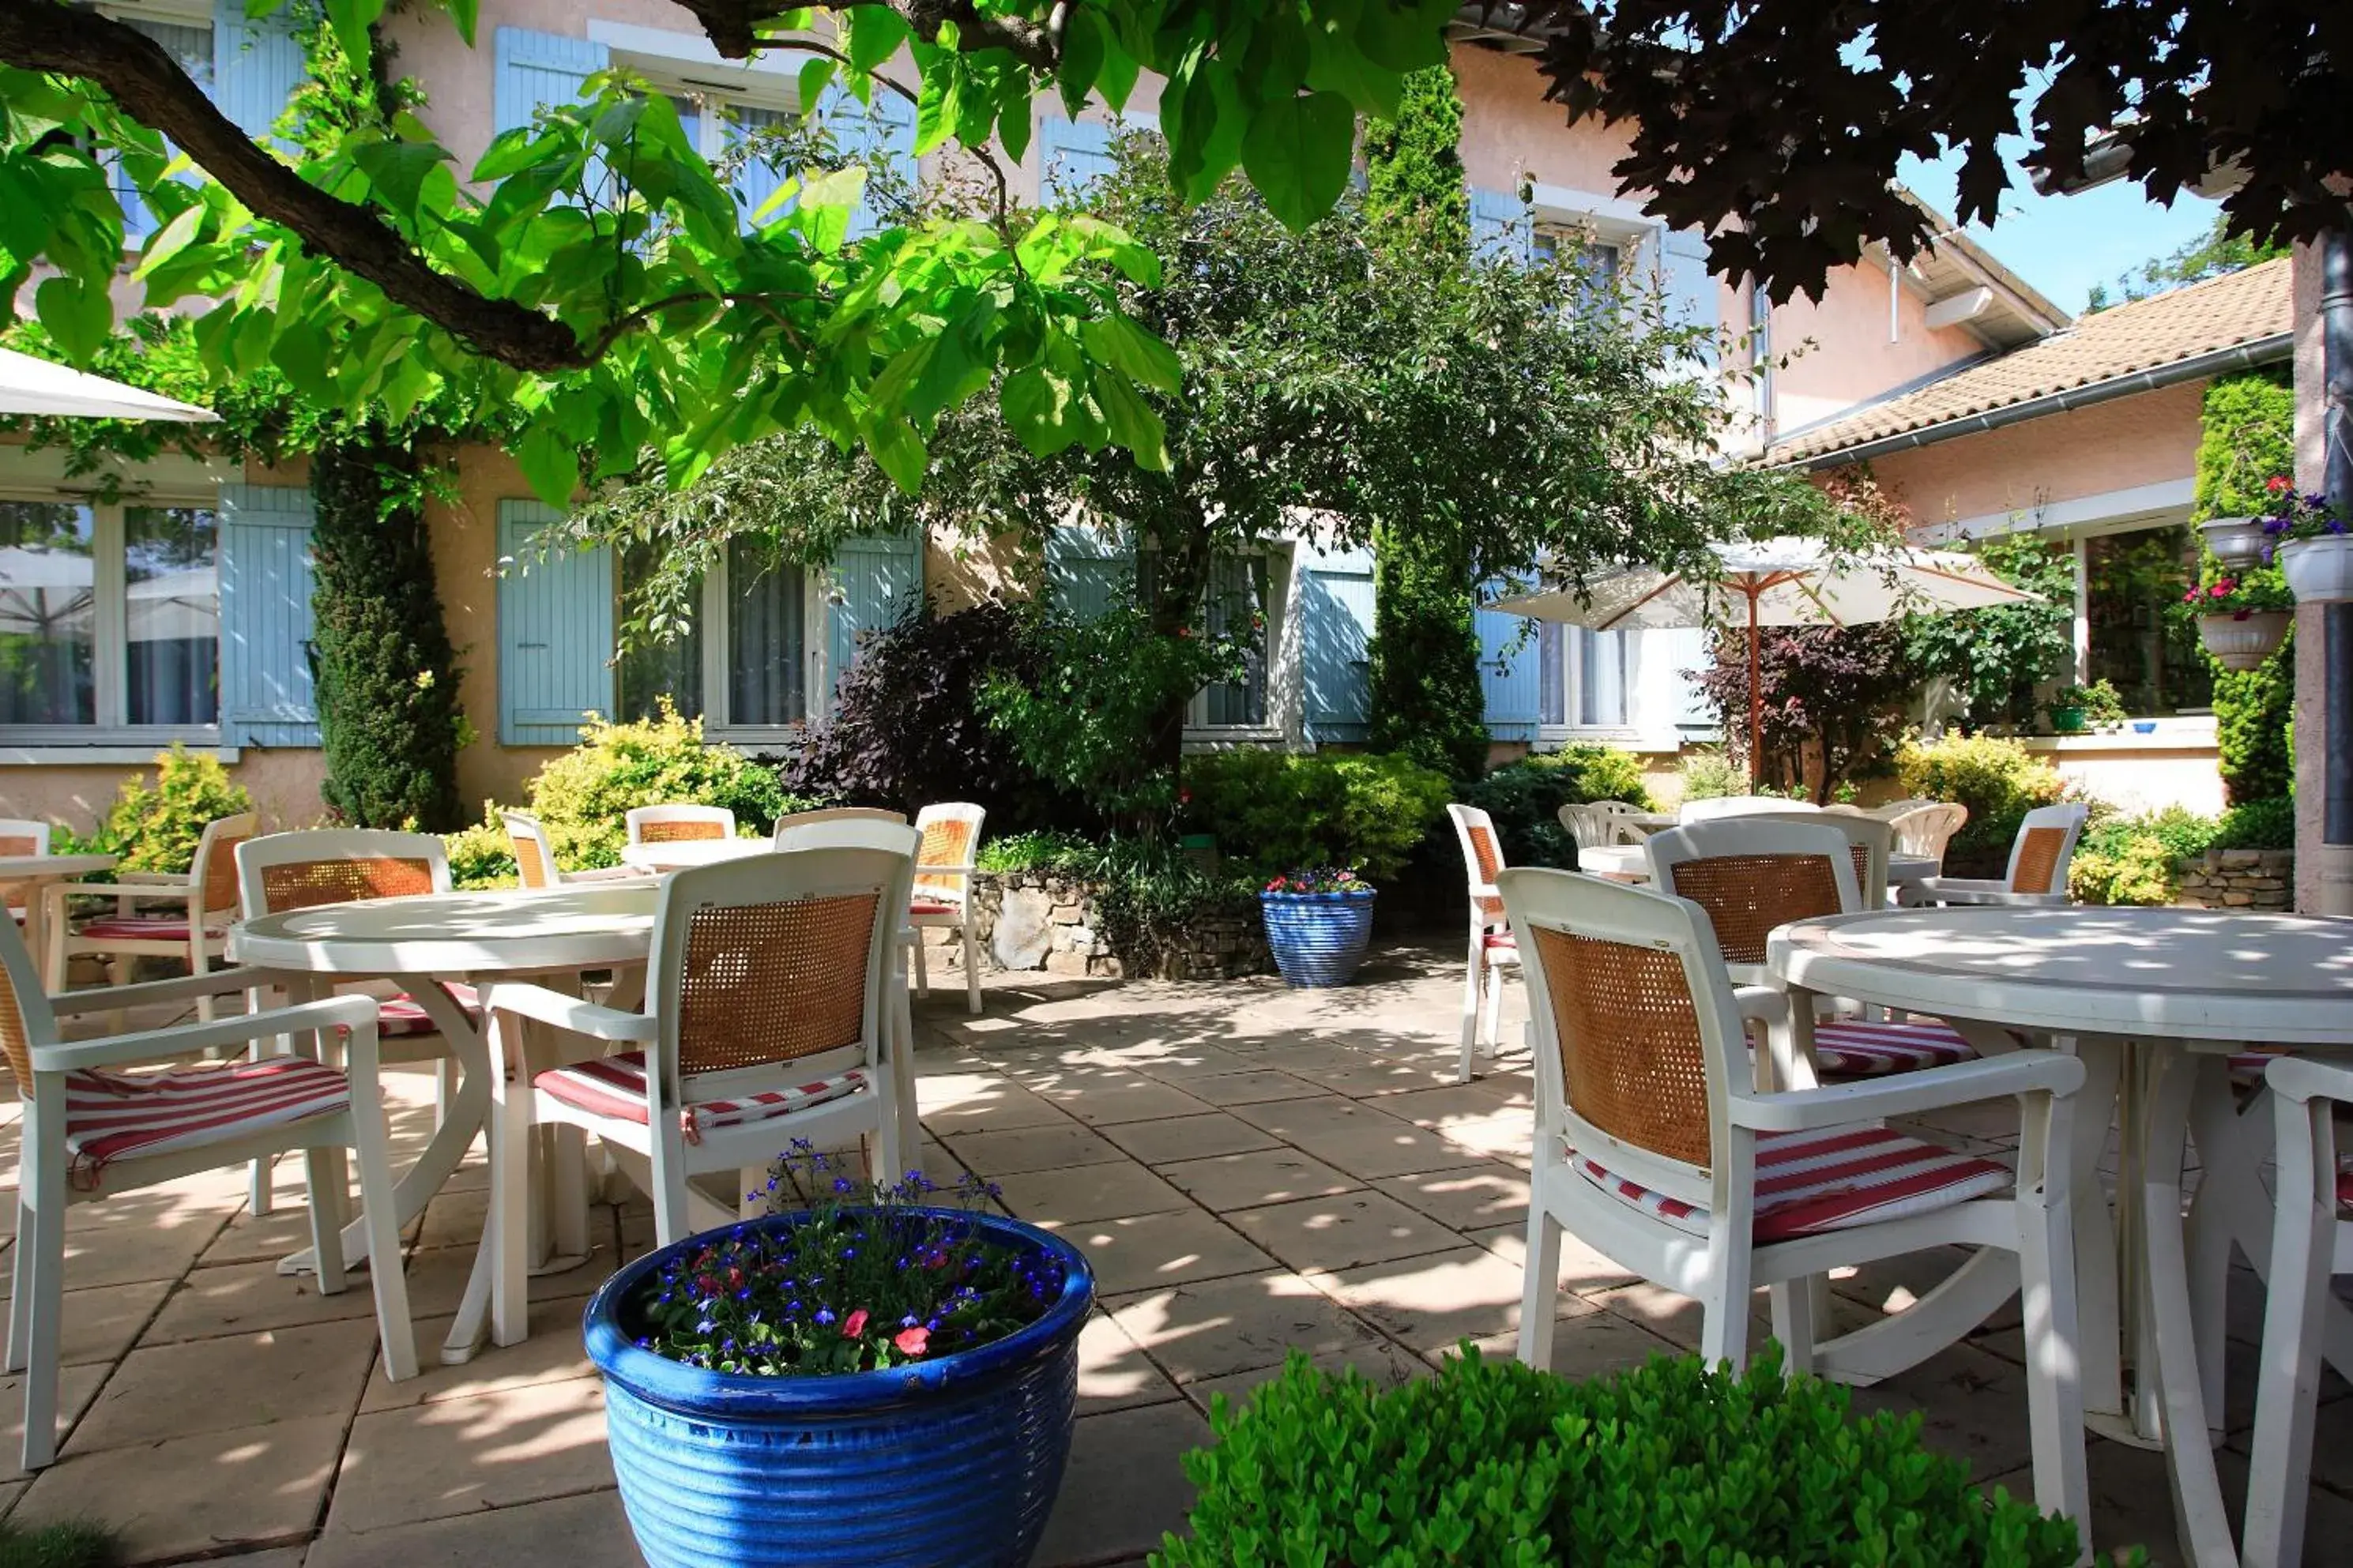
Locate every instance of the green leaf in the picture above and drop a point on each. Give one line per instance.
(549, 463)
(1134, 422)
(898, 451)
(815, 78)
(397, 171)
(1117, 78)
(826, 206)
(1119, 341)
(77, 313)
(510, 151)
(1297, 156)
(1084, 43)
(349, 19)
(170, 240)
(874, 33)
(1405, 34)
(940, 104)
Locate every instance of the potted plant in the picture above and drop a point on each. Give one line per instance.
(2067, 708)
(1317, 924)
(2242, 621)
(2238, 542)
(2104, 705)
(867, 1376)
(2310, 543)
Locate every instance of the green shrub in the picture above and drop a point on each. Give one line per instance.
(2132, 869)
(481, 855)
(1525, 798)
(2258, 824)
(1491, 1463)
(1711, 775)
(582, 796)
(68, 1544)
(155, 827)
(1043, 851)
(1273, 811)
(2000, 781)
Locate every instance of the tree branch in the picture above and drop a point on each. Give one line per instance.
(150, 87)
(734, 27)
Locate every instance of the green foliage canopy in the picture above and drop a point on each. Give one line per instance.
(2247, 434)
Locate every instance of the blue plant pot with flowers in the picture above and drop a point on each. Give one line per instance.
(1318, 924)
(952, 1457)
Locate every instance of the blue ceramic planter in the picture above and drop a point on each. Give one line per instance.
(1318, 939)
(955, 1460)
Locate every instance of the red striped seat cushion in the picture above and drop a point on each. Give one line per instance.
(111, 1115)
(616, 1087)
(1499, 939)
(1855, 1049)
(2247, 1067)
(141, 928)
(924, 907)
(401, 1016)
(1812, 1181)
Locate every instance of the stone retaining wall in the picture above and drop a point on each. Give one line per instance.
(2240, 879)
(1031, 920)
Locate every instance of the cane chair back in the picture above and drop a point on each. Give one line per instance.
(280, 872)
(1869, 843)
(214, 871)
(1715, 807)
(680, 823)
(1482, 858)
(2045, 845)
(25, 1014)
(799, 819)
(1749, 876)
(534, 856)
(1925, 829)
(951, 831)
(1596, 825)
(22, 835)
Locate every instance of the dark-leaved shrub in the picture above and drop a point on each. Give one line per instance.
(1274, 811)
(1525, 798)
(1491, 1463)
(2258, 824)
(909, 727)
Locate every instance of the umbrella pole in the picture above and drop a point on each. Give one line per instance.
(1756, 703)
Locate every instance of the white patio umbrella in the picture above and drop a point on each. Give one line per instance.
(29, 385)
(1777, 582)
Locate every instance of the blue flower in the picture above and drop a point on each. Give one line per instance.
(825, 1317)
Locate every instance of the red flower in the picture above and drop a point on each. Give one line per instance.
(854, 1325)
(911, 1342)
(2279, 482)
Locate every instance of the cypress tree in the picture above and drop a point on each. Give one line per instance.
(1427, 700)
(389, 722)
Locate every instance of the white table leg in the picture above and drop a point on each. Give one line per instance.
(2099, 1320)
(902, 1048)
(2171, 1389)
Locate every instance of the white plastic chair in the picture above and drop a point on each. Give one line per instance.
(1927, 828)
(2038, 858)
(670, 824)
(1869, 844)
(1492, 947)
(91, 1131)
(944, 873)
(1652, 1148)
(1597, 825)
(1750, 875)
(535, 864)
(798, 820)
(21, 835)
(2311, 1242)
(1715, 806)
(767, 1011)
(197, 934)
(281, 872)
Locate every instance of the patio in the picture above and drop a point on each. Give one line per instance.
(1252, 1170)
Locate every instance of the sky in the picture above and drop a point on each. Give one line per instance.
(2064, 245)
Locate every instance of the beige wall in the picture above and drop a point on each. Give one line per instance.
(2311, 632)
(1841, 351)
(284, 785)
(2127, 441)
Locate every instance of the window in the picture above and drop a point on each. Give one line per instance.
(1598, 264)
(1586, 676)
(2143, 638)
(1235, 603)
(753, 676)
(110, 615)
(190, 45)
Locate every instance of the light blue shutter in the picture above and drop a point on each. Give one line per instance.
(266, 697)
(756, 181)
(534, 68)
(1509, 672)
(1072, 156)
(1687, 289)
(555, 633)
(1088, 569)
(874, 579)
(1501, 225)
(881, 135)
(257, 65)
(1335, 633)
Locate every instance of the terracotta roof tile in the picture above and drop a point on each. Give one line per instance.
(2220, 313)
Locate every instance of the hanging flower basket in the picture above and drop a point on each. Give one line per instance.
(2243, 640)
(2318, 568)
(2237, 541)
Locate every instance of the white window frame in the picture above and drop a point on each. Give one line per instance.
(1577, 726)
(713, 599)
(111, 634)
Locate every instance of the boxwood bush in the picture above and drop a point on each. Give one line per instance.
(1274, 811)
(155, 827)
(2000, 781)
(1490, 1463)
(1525, 797)
(582, 796)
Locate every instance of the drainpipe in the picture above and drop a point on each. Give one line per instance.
(2083, 631)
(2334, 890)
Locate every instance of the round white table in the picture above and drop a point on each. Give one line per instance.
(32, 873)
(1630, 861)
(423, 941)
(679, 854)
(2156, 1001)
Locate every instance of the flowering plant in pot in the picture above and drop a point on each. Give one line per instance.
(1318, 924)
(2241, 620)
(864, 1374)
(2309, 539)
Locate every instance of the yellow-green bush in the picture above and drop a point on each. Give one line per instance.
(481, 855)
(582, 796)
(155, 827)
(2000, 781)
(1277, 812)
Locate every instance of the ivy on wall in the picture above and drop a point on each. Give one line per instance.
(2248, 434)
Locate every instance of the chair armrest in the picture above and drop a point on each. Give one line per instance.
(1909, 1093)
(924, 868)
(2309, 1077)
(148, 878)
(187, 988)
(1761, 1004)
(609, 874)
(178, 1039)
(156, 891)
(576, 1014)
(1486, 890)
